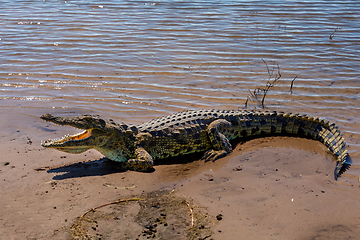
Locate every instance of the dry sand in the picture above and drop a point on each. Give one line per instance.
(270, 188)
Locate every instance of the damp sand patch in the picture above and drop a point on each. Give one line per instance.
(156, 215)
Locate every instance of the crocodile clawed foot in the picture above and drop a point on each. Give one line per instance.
(213, 155)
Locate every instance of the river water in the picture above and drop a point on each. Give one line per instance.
(137, 60)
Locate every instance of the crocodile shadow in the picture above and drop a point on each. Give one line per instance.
(99, 167)
(104, 166)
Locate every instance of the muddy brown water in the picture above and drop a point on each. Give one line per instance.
(137, 60)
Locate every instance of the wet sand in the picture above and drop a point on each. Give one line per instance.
(270, 188)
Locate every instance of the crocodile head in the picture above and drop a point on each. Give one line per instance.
(108, 137)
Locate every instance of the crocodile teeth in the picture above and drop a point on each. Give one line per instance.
(76, 137)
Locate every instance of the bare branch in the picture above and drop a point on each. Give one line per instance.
(266, 66)
(333, 33)
(261, 92)
(292, 83)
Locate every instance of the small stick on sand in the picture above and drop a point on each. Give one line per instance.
(191, 212)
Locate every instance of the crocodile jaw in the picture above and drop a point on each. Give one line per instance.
(70, 143)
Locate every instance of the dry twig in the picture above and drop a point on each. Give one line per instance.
(333, 33)
(262, 91)
(292, 83)
(191, 212)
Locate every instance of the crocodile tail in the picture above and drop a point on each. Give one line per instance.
(330, 136)
(256, 123)
(323, 131)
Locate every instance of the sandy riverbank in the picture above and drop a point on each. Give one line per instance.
(271, 188)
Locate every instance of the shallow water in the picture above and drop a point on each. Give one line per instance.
(136, 60)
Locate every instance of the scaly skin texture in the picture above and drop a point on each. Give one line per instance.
(208, 131)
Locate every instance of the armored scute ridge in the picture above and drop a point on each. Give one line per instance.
(208, 131)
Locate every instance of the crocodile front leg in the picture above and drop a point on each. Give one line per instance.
(221, 145)
(143, 162)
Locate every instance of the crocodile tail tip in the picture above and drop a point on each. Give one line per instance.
(341, 167)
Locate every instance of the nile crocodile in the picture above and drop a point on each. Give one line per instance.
(208, 131)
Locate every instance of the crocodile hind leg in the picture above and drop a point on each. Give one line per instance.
(220, 144)
(143, 162)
